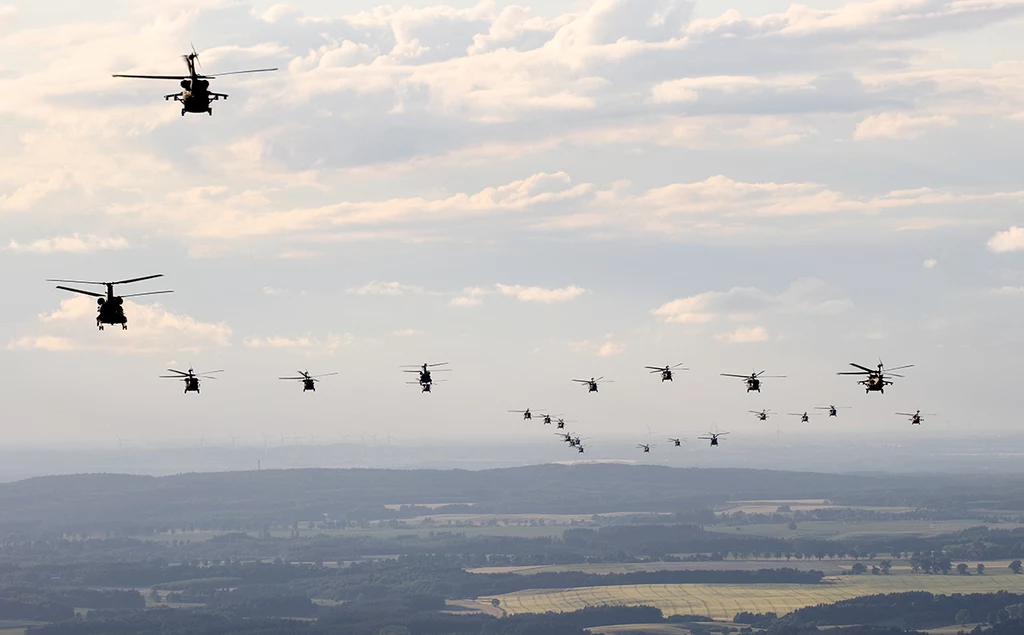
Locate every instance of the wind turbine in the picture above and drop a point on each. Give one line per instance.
(312, 438)
(233, 438)
(374, 435)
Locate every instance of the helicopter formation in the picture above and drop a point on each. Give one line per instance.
(110, 311)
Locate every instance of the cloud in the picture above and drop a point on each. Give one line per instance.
(1007, 241)
(76, 244)
(805, 296)
(744, 335)
(273, 291)
(330, 344)
(465, 301)
(931, 263)
(606, 347)
(1013, 292)
(151, 328)
(540, 294)
(899, 126)
(407, 333)
(386, 288)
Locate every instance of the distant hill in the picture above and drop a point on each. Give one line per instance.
(106, 500)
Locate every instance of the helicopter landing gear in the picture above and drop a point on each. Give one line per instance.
(124, 327)
(182, 112)
(99, 325)
(209, 111)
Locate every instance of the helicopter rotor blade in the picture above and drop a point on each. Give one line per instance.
(158, 275)
(864, 368)
(178, 77)
(90, 293)
(732, 375)
(136, 295)
(886, 370)
(323, 375)
(180, 372)
(209, 372)
(102, 284)
(252, 70)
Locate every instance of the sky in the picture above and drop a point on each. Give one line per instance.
(534, 193)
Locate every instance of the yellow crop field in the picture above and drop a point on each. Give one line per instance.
(723, 601)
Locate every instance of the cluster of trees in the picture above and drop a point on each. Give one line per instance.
(914, 610)
(59, 603)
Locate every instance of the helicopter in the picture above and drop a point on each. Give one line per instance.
(308, 381)
(426, 380)
(195, 95)
(753, 380)
(762, 415)
(191, 378)
(592, 383)
(560, 423)
(713, 437)
(666, 371)
(677, 442)
(527, 415)
(876, 379)
(833, 411)
(916, 418)
(804, 417)
(566, 436)
(110, 307)
(646, 447)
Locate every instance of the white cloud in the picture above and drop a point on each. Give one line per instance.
(606, 347)
(805, 296)
(931, 263)
(899, 126)
(330, 344)
(465, 301)
(273, 291)
(540, 294)
(744, 335)
(386, 288)
(151, 328)
(609, 349)
(1009, 291)
(1007, 241)
(407, 333)
(76, 244)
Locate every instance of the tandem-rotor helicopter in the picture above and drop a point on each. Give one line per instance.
(426, 380)
(713, 437)
(666, 371)
(761, 415)
(753, 380)
(833, 411)
(110, 307)
(191, 378)
(308, 381)
(876, 379)
(916, 418)
(592, 383)
(195, 95)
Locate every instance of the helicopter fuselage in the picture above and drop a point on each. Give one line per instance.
(308, 384)
(666, 375)
(191, 385)
(592, 386)
(753, 383)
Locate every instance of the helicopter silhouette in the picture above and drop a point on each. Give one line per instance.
(833, 411)
(804, 417)
(916, 418)
(308, 381)
(646, 447)
(191, 378)
(560, 423)
(426, 380)
(753, 380)
(713, 437)
(195, 95)
(762, 415)
(592, 383)
(876, 379)
(677, 442)
(527, 415)
(666, 371)
(110, 307)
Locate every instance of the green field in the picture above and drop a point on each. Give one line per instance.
(723, 601)
(848, 530)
